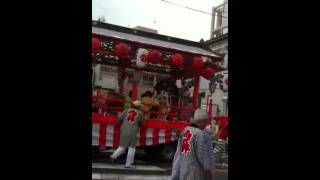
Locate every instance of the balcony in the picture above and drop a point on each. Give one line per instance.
(219, 31)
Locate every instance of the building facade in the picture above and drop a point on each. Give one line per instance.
(219, 22)
(218, 43)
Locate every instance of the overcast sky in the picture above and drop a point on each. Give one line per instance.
(168, 19)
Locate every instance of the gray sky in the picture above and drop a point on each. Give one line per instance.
(168, 19)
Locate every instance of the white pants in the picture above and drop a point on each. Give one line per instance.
(130, 156)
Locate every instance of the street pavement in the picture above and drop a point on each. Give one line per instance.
(146, 168)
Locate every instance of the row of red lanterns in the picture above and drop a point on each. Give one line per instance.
(197, 66)
(122, 50)
(154, 56)
(96, 44)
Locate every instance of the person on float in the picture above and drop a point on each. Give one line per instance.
(149, 104)
(194, 158)
(129, 119)
(163, 100)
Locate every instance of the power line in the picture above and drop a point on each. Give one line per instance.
(97, 4)
(192, 8)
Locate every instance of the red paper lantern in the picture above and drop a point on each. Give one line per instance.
(154, 57)
(177, 60)
(121, 50)
(197, 64)
(96, 44)
(208, 73)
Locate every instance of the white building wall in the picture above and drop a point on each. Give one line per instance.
(217, 99)
(219, 26)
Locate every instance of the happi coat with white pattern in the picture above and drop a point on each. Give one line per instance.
(129, 120)
(194, 157)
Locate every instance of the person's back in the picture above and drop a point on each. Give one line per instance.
(129, 120)
(194, 158)
(190, 150)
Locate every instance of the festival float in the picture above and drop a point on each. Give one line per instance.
(128, 61)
